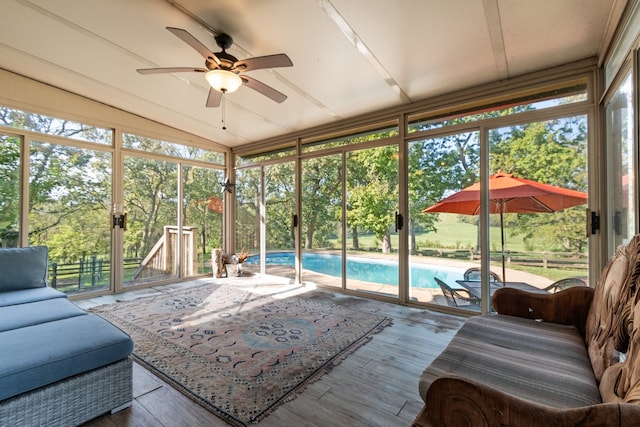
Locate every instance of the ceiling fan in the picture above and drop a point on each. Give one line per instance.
(223, 70)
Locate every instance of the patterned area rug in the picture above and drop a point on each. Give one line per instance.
(239, 354)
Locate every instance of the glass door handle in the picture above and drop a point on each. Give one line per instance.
(399, 221)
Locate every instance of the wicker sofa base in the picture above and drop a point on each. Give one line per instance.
(74, 400)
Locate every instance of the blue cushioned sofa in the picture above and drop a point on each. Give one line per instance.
(59, 365)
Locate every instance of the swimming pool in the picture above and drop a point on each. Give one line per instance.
(365, 269)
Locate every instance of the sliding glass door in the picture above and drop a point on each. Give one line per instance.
(280, 207)
(441, 245)
(321, 222)
(540, 244)
(371, 228)
(536, 235)
(622, 197)
(107, 204)
(248, 223)
(265, 208)
(202, 217)
(151, 236)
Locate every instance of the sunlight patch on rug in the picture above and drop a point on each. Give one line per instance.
(236, 353)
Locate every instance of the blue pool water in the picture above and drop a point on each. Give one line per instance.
(365, 269)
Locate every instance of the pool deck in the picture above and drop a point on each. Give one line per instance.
(418, 294)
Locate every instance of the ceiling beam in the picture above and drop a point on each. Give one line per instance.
(494, 24)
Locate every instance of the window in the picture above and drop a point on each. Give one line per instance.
(621, 171)
(54, 126)
(172, 149)
(529, 102)
(354, 136)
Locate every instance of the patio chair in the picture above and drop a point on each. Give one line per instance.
(458, 297)
(473, 273)
(564, 284)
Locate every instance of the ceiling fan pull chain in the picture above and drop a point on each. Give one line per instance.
(223, 108)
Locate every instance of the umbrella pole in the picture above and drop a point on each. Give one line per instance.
(504, 276)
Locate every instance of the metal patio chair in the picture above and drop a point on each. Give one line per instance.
(473, 273)
(458, 297)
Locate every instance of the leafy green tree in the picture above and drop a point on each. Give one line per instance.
(248, 209)
(52, 126)
(69, 188)
(437, 165)
(202, 200)
(372, 191)
(150, 199)
(280, 205)
(321, 199)
(9, 189)
(78, 237)
(356, 176)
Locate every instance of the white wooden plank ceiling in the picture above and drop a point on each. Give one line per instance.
(350, 56)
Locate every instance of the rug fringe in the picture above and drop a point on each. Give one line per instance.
(189, 394)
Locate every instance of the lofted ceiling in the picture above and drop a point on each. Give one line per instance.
(350, 57)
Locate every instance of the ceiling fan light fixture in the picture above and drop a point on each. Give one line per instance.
(223, 80)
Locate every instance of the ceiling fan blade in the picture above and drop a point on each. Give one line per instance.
(262, 88)
(186, 37)
(260, 62)
(214, 97)
(171, 70)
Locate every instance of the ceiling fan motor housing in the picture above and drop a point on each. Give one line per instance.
(224, 41)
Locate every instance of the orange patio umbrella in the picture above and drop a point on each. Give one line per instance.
(510, 194)
(213, 204)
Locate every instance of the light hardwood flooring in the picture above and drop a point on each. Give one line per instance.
(377, 385)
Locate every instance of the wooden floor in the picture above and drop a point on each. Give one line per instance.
(375, 386)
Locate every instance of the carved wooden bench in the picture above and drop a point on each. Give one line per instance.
(565, 359)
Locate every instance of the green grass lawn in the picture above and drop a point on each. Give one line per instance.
(460, 235)
(451, 234)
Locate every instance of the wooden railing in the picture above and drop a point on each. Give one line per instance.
(84, 273)
(93, 272)
(162, 259)
(557, 260)
(87, 274)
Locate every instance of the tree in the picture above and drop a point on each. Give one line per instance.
(280, 205)
(9, 189)
(202, 192)
(372, 191)
(69, 188)
(321, 199)
(437, 165)
(150, 198)
(248, 208)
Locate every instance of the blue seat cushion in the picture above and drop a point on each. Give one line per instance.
(23, 268)
(42, 354)
(29, 295)
(34, 313)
